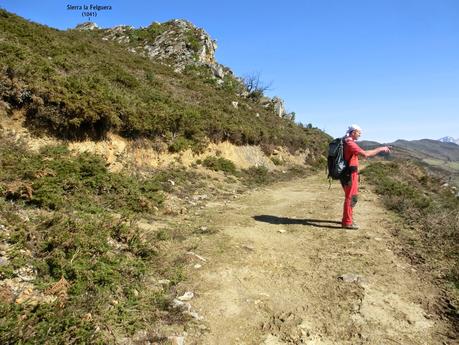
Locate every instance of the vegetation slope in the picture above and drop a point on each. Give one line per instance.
(429, 223)
(75, 85)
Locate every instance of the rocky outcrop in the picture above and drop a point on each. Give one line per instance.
(182, 44)
(119, 34)
(87, 26)
(277, 106)
(177, 43)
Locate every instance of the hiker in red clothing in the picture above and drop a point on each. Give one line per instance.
(350, 180)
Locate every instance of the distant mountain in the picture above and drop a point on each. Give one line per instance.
(427, 148)
(421, 149)
(449, 140)
(368, 145)
(441, 158)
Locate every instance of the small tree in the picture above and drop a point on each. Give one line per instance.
(255, 87)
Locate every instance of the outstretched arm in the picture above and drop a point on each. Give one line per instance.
(374, 152)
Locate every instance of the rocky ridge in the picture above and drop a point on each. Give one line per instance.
(177, 43)
(180, 44)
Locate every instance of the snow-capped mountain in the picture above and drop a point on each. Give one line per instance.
(449, 140)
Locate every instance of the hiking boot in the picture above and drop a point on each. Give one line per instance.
(352, 226)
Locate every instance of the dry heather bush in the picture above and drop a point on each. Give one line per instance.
(431, 238)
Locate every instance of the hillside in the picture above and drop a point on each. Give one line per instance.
(441, 158)
(421, 149)
(79, 84)
(431, 148)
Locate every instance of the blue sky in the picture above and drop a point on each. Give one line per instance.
(391, 66)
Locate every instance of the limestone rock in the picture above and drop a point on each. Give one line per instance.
(119, 34)
(278, 105)
(87, 26)
(184, 44)
(26, 273)
(177, 43)
(351, 278)
(181, 305)
(217, 70)
(187, 296)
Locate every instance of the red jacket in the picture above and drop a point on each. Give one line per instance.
(351, 152)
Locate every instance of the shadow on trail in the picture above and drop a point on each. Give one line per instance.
(319, 223)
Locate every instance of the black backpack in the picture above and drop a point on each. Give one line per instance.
(336, 163)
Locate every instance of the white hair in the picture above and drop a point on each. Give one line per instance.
(352, 128)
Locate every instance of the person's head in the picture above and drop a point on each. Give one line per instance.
(354, 131)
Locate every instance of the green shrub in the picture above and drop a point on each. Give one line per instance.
(180, 144)
(57, 180)
(193, 41)
(220, 164)
(66, 226)
(277, 161)
(256, 176)
(82, 249)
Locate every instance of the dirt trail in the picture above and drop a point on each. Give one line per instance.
(271, 275)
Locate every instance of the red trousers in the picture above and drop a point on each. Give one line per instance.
(351, 189)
